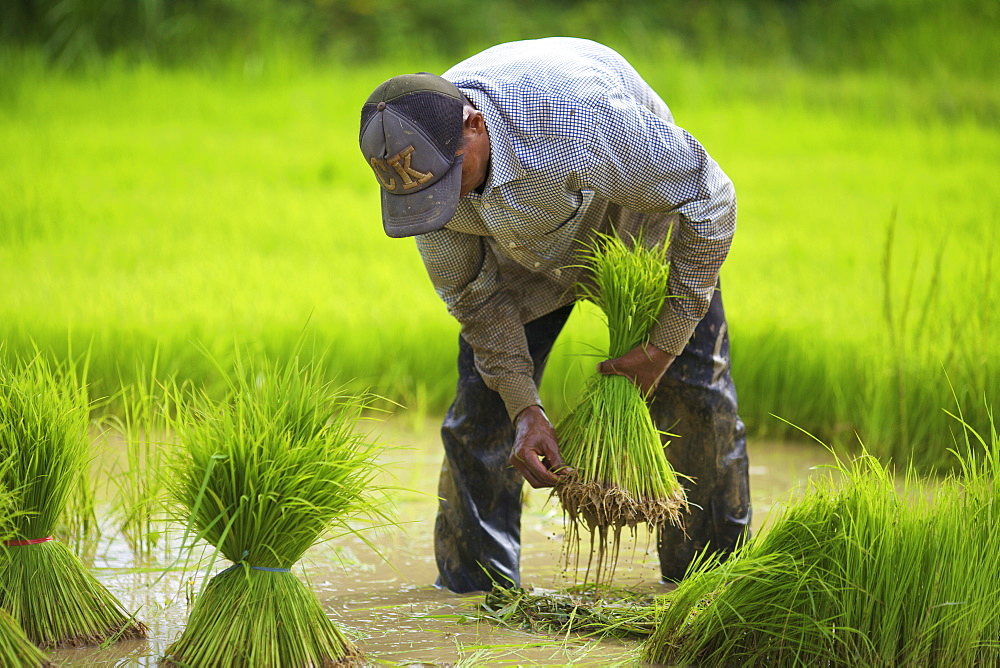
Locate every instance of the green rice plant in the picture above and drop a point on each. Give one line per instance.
(78, 526)
(803, 304)
(863, 570)
(263, 475)
(16, 650)
(621, 474)
(143, 426)
(44, 586)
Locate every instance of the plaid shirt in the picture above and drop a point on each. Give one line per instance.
(579, 144)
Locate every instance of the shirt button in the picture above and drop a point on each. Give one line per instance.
(512, 244)
(557, 272)
(537, 265)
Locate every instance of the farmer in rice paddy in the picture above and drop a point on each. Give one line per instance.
(502, 169)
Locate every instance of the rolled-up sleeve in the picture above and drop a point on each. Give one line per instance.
(645, 163)
(465, 274)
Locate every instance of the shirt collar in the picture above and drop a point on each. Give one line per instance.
(504, 165)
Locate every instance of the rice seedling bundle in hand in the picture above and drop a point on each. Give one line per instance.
(263, 476)
(622, 477)
(43, 437)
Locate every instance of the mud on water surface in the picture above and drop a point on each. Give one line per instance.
(389, 606)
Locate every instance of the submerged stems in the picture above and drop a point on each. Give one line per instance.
(247, 617)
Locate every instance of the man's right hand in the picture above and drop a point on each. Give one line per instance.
(536, 453)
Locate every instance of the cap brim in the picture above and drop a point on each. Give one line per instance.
(424, 211)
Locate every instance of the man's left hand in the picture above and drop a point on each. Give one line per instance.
(644, 365)
(536, 453)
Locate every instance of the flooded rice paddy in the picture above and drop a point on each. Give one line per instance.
(387, 604)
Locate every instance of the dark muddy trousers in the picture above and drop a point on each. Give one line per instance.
(477, 535)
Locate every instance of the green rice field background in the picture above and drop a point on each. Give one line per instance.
(181, 189)
(151, 213)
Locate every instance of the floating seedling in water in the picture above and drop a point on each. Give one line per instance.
(43, 437)
(263, 476)
(622, 477)
(590, 610)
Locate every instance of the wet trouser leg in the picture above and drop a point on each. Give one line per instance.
(696, 400)
(477, 535)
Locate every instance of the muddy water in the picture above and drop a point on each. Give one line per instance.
(387, 604)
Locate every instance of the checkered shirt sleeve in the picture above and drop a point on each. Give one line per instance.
(466, 275)
(646, 164)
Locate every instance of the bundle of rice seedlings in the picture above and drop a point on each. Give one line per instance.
(855, 573)
(622, 477)
(15, 648)
(16, 651)
(43, 585)
(262, 476)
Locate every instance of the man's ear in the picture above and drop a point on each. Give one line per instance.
(472, 119)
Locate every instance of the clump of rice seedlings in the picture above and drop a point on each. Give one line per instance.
(622, 477)
(591, 610)
(43, 585)
(78, 526)
(262, 476)
(858, 572)
(15, 648)
(16, 651)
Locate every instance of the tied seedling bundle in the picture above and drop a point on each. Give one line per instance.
(43, 584)
(263, 476)
(622, 477)
(15, 648)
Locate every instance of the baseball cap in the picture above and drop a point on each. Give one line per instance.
(411, 126)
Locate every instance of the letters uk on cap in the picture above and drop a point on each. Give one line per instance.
(411, 126)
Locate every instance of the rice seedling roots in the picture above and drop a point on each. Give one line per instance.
(270, 619)
(58, 602)
(604, 505)
(604, 509)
